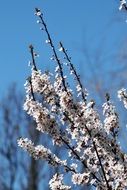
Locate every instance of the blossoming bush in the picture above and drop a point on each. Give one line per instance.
(94, 156)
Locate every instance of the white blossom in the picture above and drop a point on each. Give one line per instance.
(122, 4)
(60, 49)
(57, 183)
(111, 122)
(38, 21)
(80, 178)
(47, 41)
(38, 12)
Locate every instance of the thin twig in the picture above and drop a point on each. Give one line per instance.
(78, 157)
(52, 47)
(74, 70)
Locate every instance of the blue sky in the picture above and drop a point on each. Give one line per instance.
(68, 20)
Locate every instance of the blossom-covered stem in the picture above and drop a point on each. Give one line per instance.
(95, 148)
(53, 48)
(97, 154)
(84, 98)
(99, 159)
(78, 157)
(32, 55)
(66, 143)
(109, 188)
(74, 70)
(40, 152)
(32, 93)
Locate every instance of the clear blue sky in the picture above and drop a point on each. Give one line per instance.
(68, 20)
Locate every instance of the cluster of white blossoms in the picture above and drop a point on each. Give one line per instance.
(81, 178)
(74, 122)
(40, 152)
(57, 183)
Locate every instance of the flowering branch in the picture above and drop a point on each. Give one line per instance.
(40, 152)
(76, 124)
(61, 136)
(84, 98)
(40, 15)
